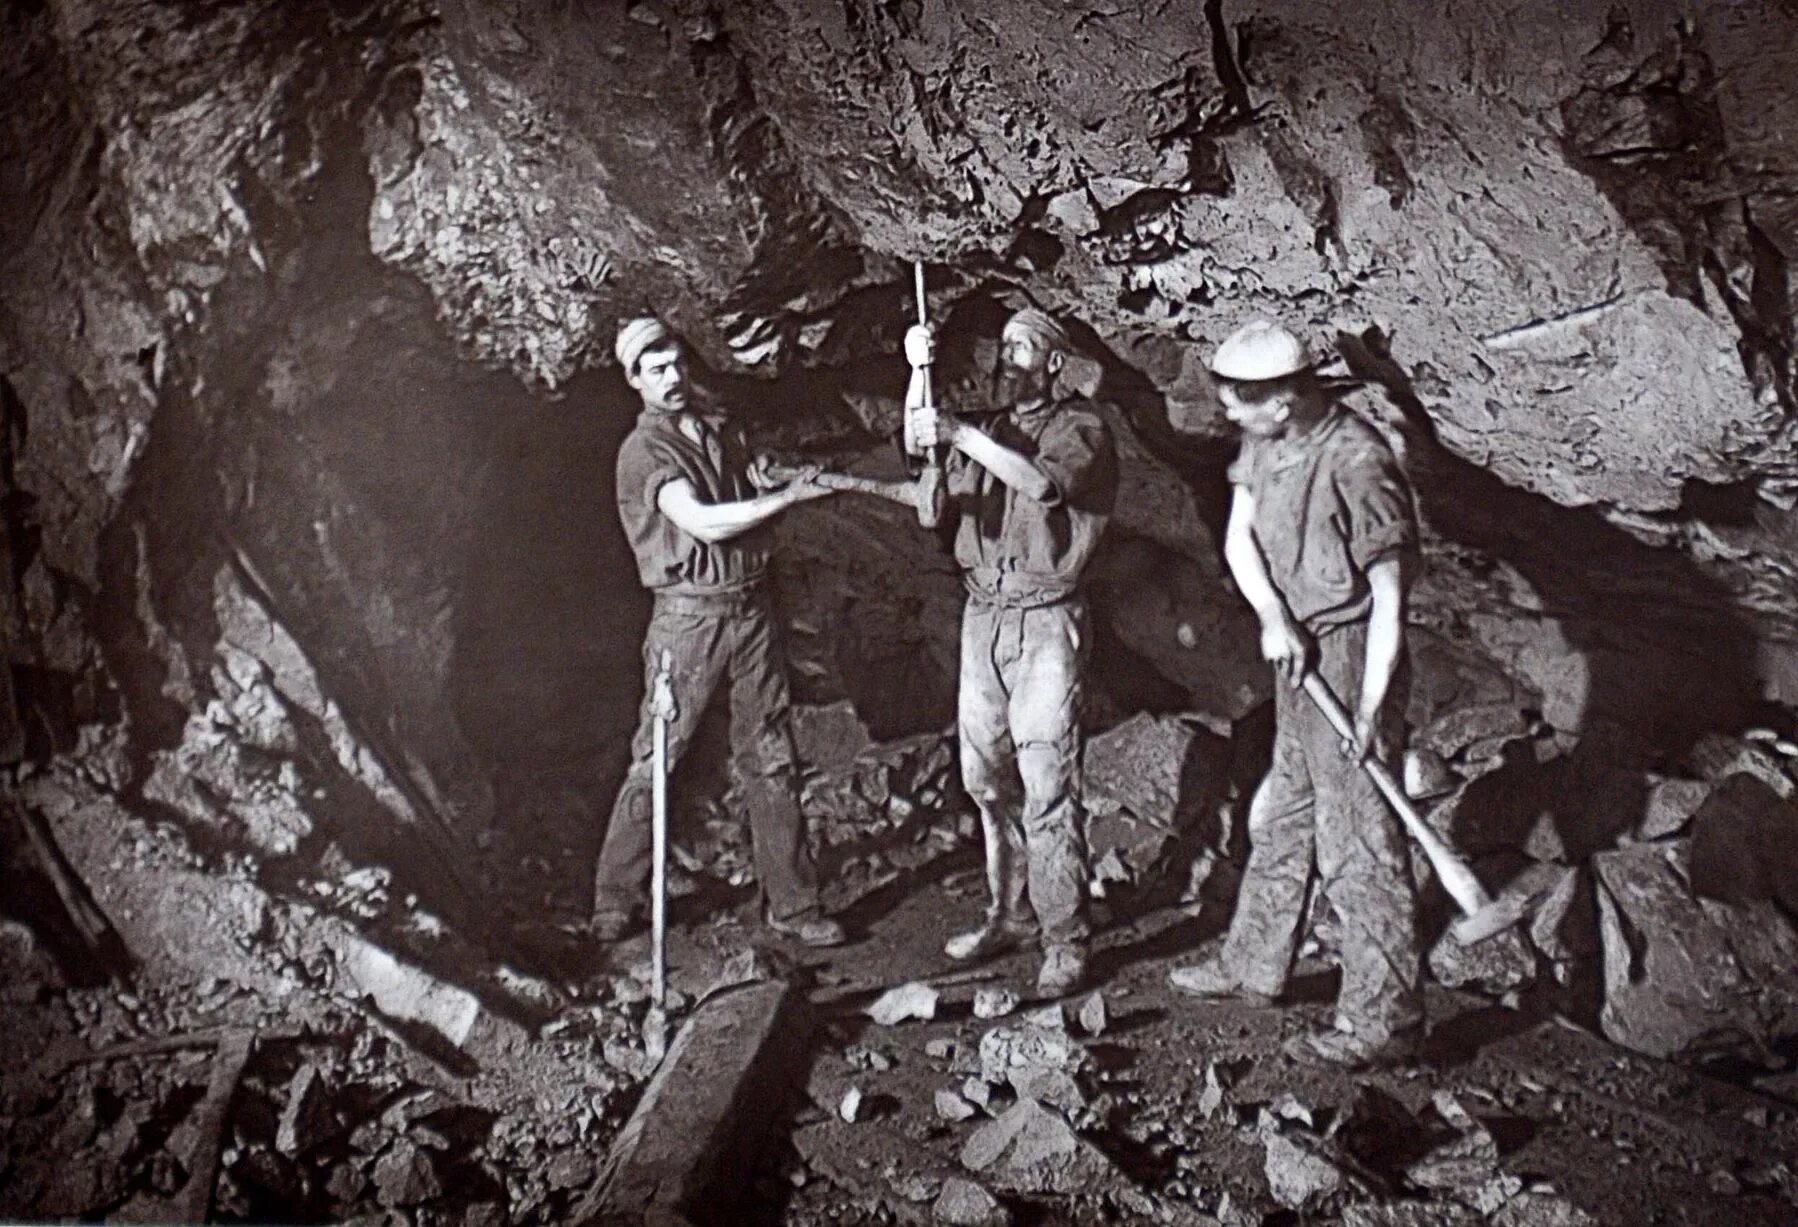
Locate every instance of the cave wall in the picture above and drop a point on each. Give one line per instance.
(308, 309)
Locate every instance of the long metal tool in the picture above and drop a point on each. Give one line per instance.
(929, 501)
(1481, 915)
(662, 711)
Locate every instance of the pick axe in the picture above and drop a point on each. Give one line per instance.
(1481, 915)
(662, 710)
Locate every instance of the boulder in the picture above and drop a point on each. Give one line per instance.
(1680, 973)
(1032, 1148)
(1140, 766)
(1745, 844)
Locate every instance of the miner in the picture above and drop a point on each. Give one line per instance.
(694, 508)
(1033, 489)
(1322, 542)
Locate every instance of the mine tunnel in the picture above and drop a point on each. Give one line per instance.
(325, 641)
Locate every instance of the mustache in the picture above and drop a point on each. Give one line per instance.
(1008, 376)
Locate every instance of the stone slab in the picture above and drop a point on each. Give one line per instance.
(689, 1152)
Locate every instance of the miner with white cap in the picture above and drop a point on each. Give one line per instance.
(693, 507)
(1034, 489)
(1322, 542)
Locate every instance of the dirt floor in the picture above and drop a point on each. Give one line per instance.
(313, 1098)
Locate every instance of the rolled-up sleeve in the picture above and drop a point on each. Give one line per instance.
(1077, 455)
(1382, 513)
(644, 468)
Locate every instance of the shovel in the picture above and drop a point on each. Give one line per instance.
(662, 709)
(1481, 915)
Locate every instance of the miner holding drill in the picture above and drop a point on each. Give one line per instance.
(1033, 488)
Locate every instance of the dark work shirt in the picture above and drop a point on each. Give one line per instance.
(1014, 549)
(1328, 505)
(709, 454)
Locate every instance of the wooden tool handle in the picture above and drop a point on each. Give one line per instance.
(1457, 878)
(905, 492)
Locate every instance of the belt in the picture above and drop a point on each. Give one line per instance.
(714, 603)
(1018, 589)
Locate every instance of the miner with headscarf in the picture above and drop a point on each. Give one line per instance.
(1033, 488)
(1322, 542)
(695, 506)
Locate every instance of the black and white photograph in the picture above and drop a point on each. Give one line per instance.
(932, 613)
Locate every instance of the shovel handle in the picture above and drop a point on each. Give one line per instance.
(1457, 878)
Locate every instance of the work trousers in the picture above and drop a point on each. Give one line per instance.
(1020, 757)
(1318, 813)
(714, 640)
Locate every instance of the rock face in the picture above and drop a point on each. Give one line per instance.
(307, 415)
(1683, 973)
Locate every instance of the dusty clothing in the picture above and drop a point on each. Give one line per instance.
(1014, 549)
(1316, 809)
(712, 613)
(1328, 504)
(1023, 648)
(710, 454)
(1019, 728)
(715, 640)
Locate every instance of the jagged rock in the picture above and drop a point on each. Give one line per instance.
(1503, 963)
(1032, 1148)
(1139, 766)
(1679, 973)
(1476, 732)
(306, 1119)
(1039, 1062)
(1745, 844)
(829, 738)
(993, 1002)
(952, 1107)
(406, 1176)
(909, 1001)
(1537, 1208)
(1465, 1162)
(1551, 924)
(1717, 757)
(1296, 1174)
(963, 1203)
(1427, 774)
(1409, 1214)
(1671, 804)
